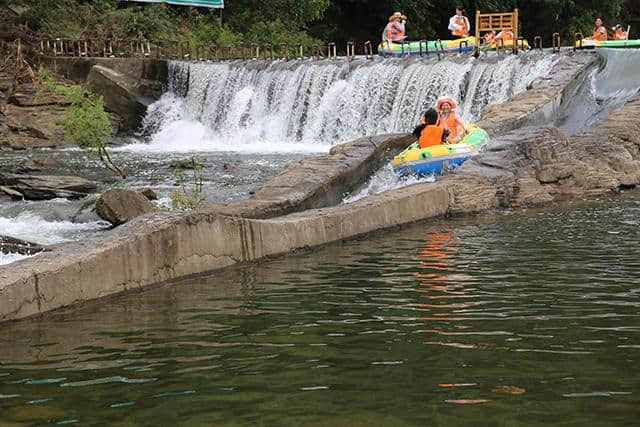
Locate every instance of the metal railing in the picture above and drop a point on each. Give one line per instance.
(186, 51)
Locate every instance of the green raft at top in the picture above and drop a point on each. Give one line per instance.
(617, 44)
(424, 47)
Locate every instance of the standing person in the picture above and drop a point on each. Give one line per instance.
(459, 24)
(449, 119)
(394, 31)
(619, 33)
(600, 32)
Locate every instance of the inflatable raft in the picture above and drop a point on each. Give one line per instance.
(439, 158)
(466, 44)
(621, 44)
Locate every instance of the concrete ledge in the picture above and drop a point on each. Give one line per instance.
(318, 181)
(157, 248)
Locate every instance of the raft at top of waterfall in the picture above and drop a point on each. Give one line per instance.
(445, 141)
(493, 31)
(602, 38)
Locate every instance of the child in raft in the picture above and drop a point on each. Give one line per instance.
(428, 133)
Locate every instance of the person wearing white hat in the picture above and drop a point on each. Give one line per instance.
(395, 30)
(450, 120)
(459, 24)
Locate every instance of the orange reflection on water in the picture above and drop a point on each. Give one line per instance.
(439, 280)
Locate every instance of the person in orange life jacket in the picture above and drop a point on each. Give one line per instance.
(619, 33)
(459, 24)
(394, 31)
(428, 133)
(490, 38)
(505, 36)
(600, 32)
(449, 119)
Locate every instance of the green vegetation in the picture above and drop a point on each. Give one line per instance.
(86, 122)
(190, 195)
(307, 21)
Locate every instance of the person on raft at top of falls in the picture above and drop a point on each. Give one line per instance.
(619, 33)
(459, 24)
(450, 120)
(505, 36)
(428, 132)
(600, 32)
(394, 32)
(490, 38)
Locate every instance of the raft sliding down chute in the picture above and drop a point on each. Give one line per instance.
(414, 48)
(439, 158)
(618, 44)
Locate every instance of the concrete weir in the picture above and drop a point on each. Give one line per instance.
(298, 209)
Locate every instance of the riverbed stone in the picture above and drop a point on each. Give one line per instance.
(37, 165)
(44, 187)
(148, 193)
(121, 95)
(119, 206)
(15, 195)
(17, 246)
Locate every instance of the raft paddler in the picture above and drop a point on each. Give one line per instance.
(449, 120)
(428, 132)
(490, 38)
(459, 24)
(619, 33)
(505, 36)
(394, 32)
(599, 32)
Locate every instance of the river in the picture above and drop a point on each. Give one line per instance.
(528, 317)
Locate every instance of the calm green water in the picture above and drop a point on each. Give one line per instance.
(511, 319)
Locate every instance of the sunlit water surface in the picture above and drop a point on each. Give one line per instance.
(524, 318)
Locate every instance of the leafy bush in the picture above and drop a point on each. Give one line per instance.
(86, 122)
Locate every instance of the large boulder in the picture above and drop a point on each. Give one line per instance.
(121, 93)
(45, 187)
(119, 206)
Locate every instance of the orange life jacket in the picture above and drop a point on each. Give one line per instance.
(619, 35)
(399, 34)
(450, 124)
(601, 36)
(430, 135)
(460, 20)
(507, 36)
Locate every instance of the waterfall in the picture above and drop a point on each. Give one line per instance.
(309, 105)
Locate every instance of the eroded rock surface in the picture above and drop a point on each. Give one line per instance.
(121, 94)
(17, 246)
(119, 206)
(543, 98)
(535, 165)
(44, 187)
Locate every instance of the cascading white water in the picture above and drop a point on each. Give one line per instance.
(310, 105)
(603, 90)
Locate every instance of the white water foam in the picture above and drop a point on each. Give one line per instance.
(32, 227)
(11, 257)
(307, 106)
(386, 179)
